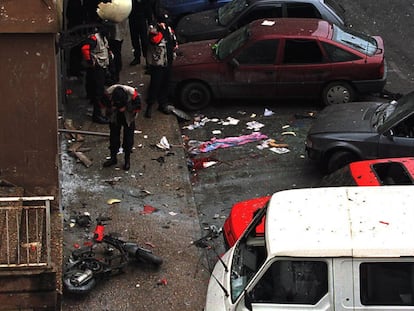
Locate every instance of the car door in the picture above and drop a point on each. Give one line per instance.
(289, 283)
(398, 141)
(251, 72)
(303, 68)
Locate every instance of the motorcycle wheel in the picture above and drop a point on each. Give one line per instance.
(72, 288)
(149, 257)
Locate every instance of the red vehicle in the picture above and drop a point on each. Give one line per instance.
(279, 58)
(379, 172)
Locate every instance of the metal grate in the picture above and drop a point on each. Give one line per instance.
(25, 232)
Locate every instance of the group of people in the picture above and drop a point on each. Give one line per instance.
(116, 104)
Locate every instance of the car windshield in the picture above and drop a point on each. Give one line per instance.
(358, 41)
(389, 114)
(232, 42)
(230, 10)
(249, 255)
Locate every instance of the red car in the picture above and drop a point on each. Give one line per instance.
(279, 58)
(379, 172)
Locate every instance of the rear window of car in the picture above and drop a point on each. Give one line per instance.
(357, 41)
(336, 7)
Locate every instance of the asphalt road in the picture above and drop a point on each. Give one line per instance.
(243, 172)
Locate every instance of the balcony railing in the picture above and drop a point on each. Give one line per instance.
(25, 232)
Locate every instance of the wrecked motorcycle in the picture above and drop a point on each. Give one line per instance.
(105, 257)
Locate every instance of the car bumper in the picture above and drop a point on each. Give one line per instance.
(314, 154)
(371, 86)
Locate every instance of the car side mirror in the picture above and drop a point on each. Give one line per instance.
(234, 63)
(389, 134)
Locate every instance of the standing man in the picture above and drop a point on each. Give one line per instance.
(125, 103)
(96, 56)
(116, 38)
(139, 18)
(161, 52)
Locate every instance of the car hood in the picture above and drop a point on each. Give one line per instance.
(194, 53)
(351, 117)
(202, 24)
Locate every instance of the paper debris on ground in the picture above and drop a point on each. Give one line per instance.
(268, 113)
(279, 150)
(254, 125)
(163, 144)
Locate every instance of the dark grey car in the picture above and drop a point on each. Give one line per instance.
(367, 130)
(217, 23)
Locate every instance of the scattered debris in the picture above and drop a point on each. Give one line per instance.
(216, 132)
(289, 133)
(163, 144)
(160, 160)
(196, 164)
(162, 281)
(268, 113)
(308, 115)
(84, 220)
(172, 213)
(148, 209)
(216, 143)
(179, 113)
(113, 180)
(147, 243)
(271, 143)
(113, 201)
(279, 150)
(83, 132)
(230, 121)
(254, 125)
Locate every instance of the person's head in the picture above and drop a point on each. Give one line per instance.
(119, 97)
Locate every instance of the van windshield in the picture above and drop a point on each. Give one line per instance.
(249, 255)
(230, 10)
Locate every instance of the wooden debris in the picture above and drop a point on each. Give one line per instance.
(83, 158)
(83, 132)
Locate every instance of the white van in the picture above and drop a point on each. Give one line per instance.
(344, 248)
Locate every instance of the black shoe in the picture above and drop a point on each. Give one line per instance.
(135, 61)
(100, 119)
(148, 113)
(110, 162)
(126, 166)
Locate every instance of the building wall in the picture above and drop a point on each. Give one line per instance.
(28, 135)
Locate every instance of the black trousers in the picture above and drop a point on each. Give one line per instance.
(158, 87)
(138, 29)
(115, 134)
(116, 48)
(95, 87)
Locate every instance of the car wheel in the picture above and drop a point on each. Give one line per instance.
(339, 159)
(195, 96)
(338, 93)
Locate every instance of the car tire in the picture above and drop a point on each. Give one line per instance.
(338, 92)
(339, 159)
(195, 96)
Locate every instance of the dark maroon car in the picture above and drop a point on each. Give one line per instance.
(279, 58)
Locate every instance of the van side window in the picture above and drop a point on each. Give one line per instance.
(292, 282)
(387, 283)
